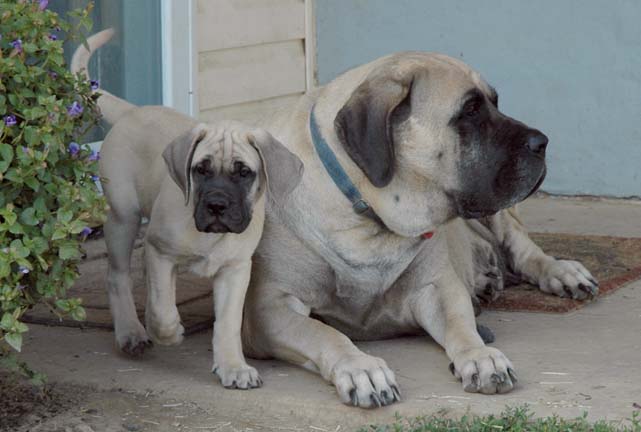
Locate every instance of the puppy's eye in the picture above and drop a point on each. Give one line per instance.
(203, 167)
(242, 170)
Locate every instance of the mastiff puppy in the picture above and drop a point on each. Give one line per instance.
(404, 210)
(202, 187)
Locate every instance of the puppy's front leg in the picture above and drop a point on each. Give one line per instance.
(161, 314)
(444, 310)
(230, 287)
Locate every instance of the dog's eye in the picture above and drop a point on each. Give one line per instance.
(241, 169)
(472, 107)
(203, 167)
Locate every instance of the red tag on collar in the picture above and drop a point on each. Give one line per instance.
(427, 235)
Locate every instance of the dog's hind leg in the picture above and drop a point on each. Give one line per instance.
(121, 229)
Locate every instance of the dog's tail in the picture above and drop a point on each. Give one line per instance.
(112, 107)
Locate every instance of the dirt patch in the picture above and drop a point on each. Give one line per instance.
(23, 403)
(77, 408)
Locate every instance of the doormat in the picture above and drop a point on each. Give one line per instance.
(613, 261)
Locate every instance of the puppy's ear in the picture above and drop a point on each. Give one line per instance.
(363, 124)
(282, 169)
(178, 156)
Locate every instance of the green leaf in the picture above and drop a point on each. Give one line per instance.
(79, 314)
(65, 216)
(16, 229)
(6, 152)
(14, 340)
(77, 226)
(58, 234)
(63, 305)
(7, 321)
(33, 183)
(28, 216)
(19, 250)
(68, 251)
(32, 135)
(5, 268)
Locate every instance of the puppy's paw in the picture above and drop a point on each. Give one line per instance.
(132, 339)
(242, 377)
(166, 331)
(484, 370)
(365, 381)
(568, 279)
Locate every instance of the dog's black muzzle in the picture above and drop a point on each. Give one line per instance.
(221, 210)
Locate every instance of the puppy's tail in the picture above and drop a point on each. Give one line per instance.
(112, 107)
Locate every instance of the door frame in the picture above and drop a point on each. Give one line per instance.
(179, 71)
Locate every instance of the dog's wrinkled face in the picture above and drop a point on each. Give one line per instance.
(501, 161)
(225, 176)
(423, 124)
(223, 169)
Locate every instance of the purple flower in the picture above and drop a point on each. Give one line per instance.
(95, 178)
(94, 156)
(75, 109)
(25, 150)
(86, 231)
(10, 120)
(74, 148)
(23, 270)
(94, 84)
(42, 4)
(53, 75)
(17, 45)
(53, 37)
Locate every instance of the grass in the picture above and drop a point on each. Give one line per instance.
(519, 419)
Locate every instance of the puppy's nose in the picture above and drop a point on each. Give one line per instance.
(217, 206)
(537, 142)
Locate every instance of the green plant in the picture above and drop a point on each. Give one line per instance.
(512, 419)
(48, 195)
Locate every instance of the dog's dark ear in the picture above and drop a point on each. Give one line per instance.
(283, 170)
(363, 124)
(179, 154)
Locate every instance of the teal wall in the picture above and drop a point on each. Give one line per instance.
(570, 68)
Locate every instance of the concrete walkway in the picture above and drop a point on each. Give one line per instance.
(589, 360)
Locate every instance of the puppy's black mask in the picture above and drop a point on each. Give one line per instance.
(221, 200)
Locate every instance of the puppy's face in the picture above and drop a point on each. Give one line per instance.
(226, 181)
(430, 126)
(223, 170)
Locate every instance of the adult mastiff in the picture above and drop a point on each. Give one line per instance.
(374, 243)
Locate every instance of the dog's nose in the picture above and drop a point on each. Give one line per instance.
(537, 142)
(217, 206)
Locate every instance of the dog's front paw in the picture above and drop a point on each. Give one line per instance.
(243, 377)
(165, 330)
(485, 370)
(568, 279)
(365, 381)
(132, 339)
